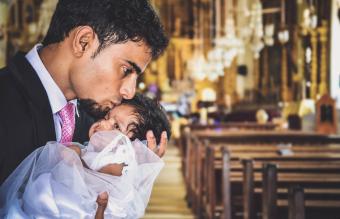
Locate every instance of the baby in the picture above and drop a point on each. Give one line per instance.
(127, 168)
(133, 118)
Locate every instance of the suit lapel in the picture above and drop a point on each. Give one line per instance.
(37, 100)
(83, 124)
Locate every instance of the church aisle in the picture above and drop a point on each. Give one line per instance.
(167, 199)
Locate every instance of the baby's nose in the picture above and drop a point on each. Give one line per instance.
(105, 125)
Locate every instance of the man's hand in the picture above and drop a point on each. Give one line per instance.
(102, 200)
(152, 144)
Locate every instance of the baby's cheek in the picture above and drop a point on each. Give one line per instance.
(107, 127)
(104, 126)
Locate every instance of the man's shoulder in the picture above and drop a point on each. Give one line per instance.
(12, 94)
(17, 61)
(6, 81)
(4, 71)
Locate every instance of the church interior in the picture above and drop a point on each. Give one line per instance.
(252, 89)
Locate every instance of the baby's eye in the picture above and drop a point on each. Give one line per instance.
(116, 126)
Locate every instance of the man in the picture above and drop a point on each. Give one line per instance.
(93, 52)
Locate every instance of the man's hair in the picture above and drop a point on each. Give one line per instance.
(114, 21)
(150, 116)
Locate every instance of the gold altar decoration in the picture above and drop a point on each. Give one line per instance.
(323, 31)
(256, 73)
(180, 50)
(283, 37)
(268, 40)
(314, 63)
(3, 33)
(230, 84)
(265, 78)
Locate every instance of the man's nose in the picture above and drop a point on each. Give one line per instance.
(128, 89)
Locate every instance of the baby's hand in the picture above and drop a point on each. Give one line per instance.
(75, 148)
(69, 157)
(113, 169)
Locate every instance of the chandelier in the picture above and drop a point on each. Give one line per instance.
(229, 45)
(197, 65)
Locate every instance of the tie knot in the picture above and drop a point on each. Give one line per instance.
(67, 112)
(66, 115)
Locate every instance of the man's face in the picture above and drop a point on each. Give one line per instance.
(122, 118)
(100, 83)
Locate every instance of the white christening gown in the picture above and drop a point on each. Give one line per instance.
(52, 182)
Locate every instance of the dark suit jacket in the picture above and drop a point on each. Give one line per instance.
(26, 120)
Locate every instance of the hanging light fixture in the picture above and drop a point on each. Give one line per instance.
(268, 37)
(256, 25)
(310, 18)
(196, 65)
(230, 43)
(215, 55)
(244, 29)
(283, 34)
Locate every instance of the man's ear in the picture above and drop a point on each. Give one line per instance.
(83, 41)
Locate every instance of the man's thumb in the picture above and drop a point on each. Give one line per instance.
(103, 195)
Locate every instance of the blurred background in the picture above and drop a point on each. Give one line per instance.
(273, 62)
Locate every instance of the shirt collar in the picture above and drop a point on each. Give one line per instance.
(55, 95)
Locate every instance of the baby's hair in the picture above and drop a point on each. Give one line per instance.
(150, 116)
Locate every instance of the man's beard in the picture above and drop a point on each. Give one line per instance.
(93, 108)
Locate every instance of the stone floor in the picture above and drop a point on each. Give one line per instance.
(167, 199)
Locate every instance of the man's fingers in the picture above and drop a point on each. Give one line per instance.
(104, 195)
(152, 144)
(163, 144)
(102, 199)
(150, 137)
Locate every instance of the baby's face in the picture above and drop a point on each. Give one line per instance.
(120, 118)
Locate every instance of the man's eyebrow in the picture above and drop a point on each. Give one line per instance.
(136, 67)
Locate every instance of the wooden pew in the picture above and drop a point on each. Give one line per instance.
(189, 150)
(187, 130)
(310, 173)
(269, 136)
(267, 156)
(296, 203)
(197, 154)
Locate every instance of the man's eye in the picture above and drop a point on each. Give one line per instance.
(127, 71)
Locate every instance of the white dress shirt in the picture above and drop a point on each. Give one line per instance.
(55, 95)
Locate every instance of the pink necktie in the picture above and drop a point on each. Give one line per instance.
(68, 123)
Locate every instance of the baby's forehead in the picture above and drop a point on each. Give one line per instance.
(122, 110)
